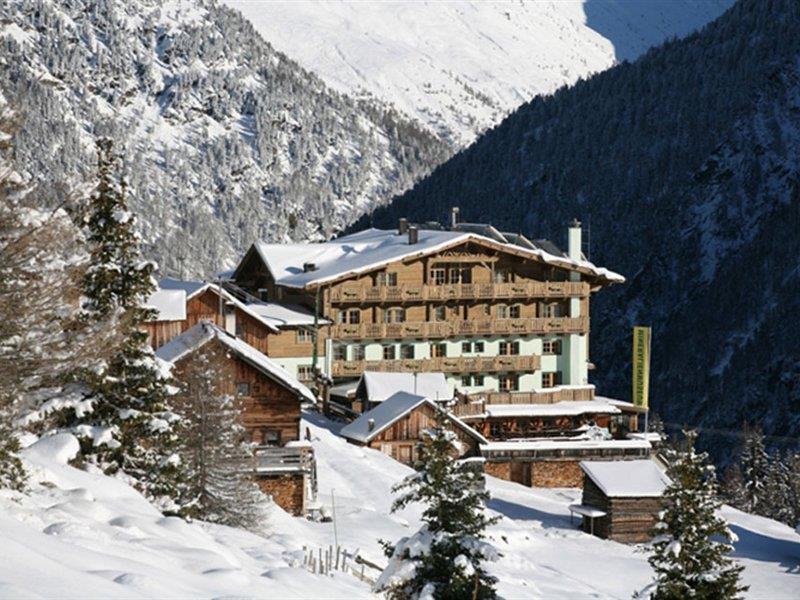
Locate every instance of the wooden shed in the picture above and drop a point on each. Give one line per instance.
(396, 425)
(621, 499)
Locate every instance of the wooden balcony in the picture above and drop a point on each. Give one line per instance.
(471, 291)
(447, 329)
(496, 364)
(557, 394)
(272, 460)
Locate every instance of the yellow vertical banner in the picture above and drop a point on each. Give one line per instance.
(641, 366)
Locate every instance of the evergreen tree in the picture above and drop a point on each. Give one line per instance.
(688, 561)
(444, 559)
(732, 487)
(127, 426)
(216, 452)
(777, 501)
(754, 464)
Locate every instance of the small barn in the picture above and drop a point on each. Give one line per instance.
(621, 499)
(396, 425)
(270, 400)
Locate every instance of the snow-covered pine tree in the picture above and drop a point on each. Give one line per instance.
(689, 554)
(732, 487)
(215, 449)
(754, 464)
(42, 261)
(127, 426)
(445, 558)
(793, 466)
(778, 501)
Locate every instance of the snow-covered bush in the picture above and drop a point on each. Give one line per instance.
(689, 554)
(444, 559)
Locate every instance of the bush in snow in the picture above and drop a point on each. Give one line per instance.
(215, 451)
(125, 423)
(444, 559)
(689, 554)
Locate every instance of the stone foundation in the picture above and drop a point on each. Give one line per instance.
(286, 490)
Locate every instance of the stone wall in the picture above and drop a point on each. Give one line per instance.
(501, 470)
(557, 473)
(286, 490)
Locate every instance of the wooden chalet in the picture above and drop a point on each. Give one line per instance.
(270, 400)
(621, 500)
(396, 426)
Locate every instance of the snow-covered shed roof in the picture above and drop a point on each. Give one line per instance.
(170, 304)
(566, 407)
(372, 422)
(378, 386)
(197, 336)
(372, 248)
(194, 288)
(565, 444)
(285, 315)
(626, 478)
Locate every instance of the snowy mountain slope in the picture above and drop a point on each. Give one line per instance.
(459, 67)
(225, 140)
(89, 535)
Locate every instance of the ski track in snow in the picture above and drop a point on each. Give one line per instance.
(91, 536)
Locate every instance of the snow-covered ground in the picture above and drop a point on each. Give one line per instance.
(460, 66)
(81, 534)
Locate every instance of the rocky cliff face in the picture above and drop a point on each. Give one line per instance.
(684, 169)
(225, 139)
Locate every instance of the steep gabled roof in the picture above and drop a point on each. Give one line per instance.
(373, 248)
(198, 336)
(169, 304)
(391, 410)
(195, 288)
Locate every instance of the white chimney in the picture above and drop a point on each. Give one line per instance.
(454, 217)
(574, 240)
(370, 424)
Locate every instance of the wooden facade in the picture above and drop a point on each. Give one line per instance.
(627, 520)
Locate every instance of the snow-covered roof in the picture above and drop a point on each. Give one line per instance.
(626, 478)
(567, 407)
(285, 315)
(372, 248)
(197, 336)
(170, 304)
(566, 444)
(372, 422)
(622, 404)
(194, 288)
(378, 386)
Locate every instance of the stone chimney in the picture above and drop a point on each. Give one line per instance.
(574, 240)
(413, 235)
(402, 226)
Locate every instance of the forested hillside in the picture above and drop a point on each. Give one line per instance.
(225, 140)
(684, 166)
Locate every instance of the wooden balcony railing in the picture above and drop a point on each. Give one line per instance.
(445, 329)
(354, 368)
(276, 460)
(473, 405)
(469, 291)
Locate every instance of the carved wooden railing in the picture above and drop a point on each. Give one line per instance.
(444, 329)
(348, 368)
(467, 291)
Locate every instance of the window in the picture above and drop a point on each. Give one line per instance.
(478, 347)
(551, 379)
(514, 311)
(477, 380)
(466, 347)
(438, 276)
(305, 372)
(387, 279)
(339, 352)
(359, 352)
(243, 389)
(551, 347)
(502, 311)
(495, 429)
(461, 275)
(440, 313)
(509, 348)
(271, 437)
(509, 383)
(352, 316)
(304, 336)
(389, 352)
(552, 309)
(406, 351)
(466, 380)
(503, 276)
(394, 315)
(239, 329)
(438, 350)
